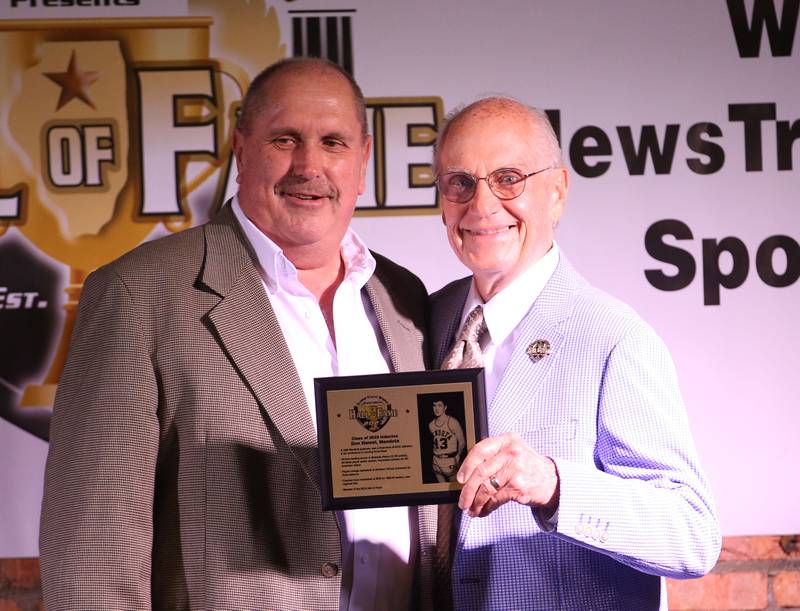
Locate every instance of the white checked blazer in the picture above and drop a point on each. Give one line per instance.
(605, 404)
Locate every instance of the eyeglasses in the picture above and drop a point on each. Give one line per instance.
(505, 183)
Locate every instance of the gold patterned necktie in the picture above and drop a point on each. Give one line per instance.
(466, 353)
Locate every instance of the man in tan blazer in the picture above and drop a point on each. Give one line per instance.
(183, 469)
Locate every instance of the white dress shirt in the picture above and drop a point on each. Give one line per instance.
(504, 312)
(376, 546)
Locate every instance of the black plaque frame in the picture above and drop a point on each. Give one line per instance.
(340, 419)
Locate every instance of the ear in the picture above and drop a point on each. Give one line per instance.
(558, 193)
(362, 184)
(238, 152)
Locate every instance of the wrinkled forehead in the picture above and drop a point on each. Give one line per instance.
(302, 77)
(310, 81)
(505, 136)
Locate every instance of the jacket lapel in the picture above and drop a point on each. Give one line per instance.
(250, 334)
(403, 339)
(524, 376)
(446, 318)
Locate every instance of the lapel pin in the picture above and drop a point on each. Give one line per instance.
(538, 350)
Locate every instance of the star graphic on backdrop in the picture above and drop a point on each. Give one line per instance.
(74, 83)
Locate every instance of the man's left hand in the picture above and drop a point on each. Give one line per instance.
(520, 472)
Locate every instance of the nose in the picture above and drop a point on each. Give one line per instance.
(484, 202)
(306, 161)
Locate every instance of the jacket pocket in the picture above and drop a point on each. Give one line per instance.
(554, 439)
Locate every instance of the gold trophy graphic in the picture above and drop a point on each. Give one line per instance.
(71, 133)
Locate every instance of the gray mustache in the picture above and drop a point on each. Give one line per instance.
(306, 187)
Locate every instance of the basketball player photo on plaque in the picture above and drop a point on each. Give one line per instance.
(398, 438)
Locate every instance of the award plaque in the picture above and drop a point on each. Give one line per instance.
(397, 438)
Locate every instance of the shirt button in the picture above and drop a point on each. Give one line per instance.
(329, 569)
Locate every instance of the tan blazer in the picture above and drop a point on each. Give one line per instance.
(183, 469)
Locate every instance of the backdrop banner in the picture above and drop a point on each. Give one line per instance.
(679, 122)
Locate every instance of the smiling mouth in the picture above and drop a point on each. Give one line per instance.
(488, 231)
(309, 197)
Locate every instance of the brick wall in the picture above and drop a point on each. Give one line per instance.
(752, 573)
(20, 586)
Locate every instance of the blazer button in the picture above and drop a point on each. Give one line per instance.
(329, 569)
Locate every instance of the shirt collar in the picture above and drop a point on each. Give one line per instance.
(280, 274)
(505, 310)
